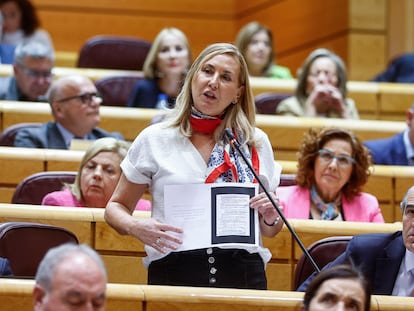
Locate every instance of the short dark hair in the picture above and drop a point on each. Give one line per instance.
(344, 271)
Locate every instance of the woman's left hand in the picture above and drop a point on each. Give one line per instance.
(265, 207)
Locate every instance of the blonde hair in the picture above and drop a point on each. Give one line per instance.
(111, 144)
(239, 116)
(150, 65)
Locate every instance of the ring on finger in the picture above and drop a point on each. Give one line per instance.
(158, 241)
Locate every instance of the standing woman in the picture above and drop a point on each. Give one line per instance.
(21, 23)
(255, 41)
(165, 68)
(189, 147)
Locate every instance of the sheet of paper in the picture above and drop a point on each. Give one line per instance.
(212, 214)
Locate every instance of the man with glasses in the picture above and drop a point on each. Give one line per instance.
(75, 103)
(33, 63)
(386, 259)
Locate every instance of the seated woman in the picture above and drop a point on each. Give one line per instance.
(255, 42)
(320, 90)
(97, 177)
(338, 288)
(333, 166)
(164, 69)
(21, 23)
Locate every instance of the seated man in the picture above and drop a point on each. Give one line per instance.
(75, 108)
(397, 149)
(70, 277)
(386, 259)
(33, 63)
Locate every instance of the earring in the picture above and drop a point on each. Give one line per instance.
(234, 101)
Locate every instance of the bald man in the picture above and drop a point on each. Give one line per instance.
(75, 103)
(70, 277)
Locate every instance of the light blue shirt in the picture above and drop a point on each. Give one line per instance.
(404, 284)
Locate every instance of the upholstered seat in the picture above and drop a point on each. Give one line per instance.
(287, 180)
(116, 90)
(33, 188)
(266, 103)
(114, 52)
(9, 133)
(323, 252)
(24, 244)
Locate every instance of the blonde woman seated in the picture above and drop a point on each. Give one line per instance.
(255, 42)
(320, 90)
(97, 177)
(333, 166)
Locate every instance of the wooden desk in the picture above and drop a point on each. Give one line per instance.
(17, 295)
(387, 183)
(374, 100)
(122, 254)
(93, 73)
(285, 133)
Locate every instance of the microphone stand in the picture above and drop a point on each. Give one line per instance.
(236, 144)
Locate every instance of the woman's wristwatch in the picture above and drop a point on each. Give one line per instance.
(272, 224)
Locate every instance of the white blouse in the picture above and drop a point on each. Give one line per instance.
(161, 156)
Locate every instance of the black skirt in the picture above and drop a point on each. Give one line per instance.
(209, 267)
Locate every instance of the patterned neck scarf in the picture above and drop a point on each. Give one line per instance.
(227, 165)
(328, 210)
(203, 123)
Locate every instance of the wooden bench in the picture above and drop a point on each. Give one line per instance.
(285, 133)
(16, 294)
(387, 183)
(93, 73)
(374, 100)
(123, 254)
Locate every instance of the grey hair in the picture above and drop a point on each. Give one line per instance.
(403, 203)
(303, 73)
(34, 49)
(56, 255)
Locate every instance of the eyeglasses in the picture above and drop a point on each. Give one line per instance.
(408, 210)
(85, 98)
(36, 74)
(343, 160)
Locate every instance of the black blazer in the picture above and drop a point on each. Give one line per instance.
(377, 255)
(48, 136)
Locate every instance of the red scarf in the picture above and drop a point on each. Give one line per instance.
(205, 126)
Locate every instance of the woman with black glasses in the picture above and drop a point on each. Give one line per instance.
(333, 166)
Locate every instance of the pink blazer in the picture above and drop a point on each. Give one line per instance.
(296, 204)
(66, 198)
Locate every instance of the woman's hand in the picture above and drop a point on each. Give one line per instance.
(156, 234)
(267, 213)
(323, 99)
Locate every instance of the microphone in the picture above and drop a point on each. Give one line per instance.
(228, 132)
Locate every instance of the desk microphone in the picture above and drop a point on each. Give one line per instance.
(236, 144)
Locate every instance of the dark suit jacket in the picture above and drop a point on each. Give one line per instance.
(400, 70)
(48, 136)
(388, 151)
(5, 269)
(377, 255)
